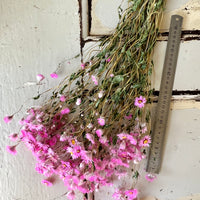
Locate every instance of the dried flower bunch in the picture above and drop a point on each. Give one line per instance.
(95, 126)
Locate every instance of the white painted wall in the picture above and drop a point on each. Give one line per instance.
(35, 36)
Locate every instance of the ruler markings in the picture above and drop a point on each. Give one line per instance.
(162, 110)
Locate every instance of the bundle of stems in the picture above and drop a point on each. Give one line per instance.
(119, 73)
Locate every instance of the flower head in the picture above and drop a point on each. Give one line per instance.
(65, 111)
(108, 60)
(90, 125)
(11, 149)
(101, 121)
(99, 132)
(100, 94)
(47, 182)
(143, 128)
(129, 117)
(94, 79)
(90, 137)
(78, 101)
(127, 137)
(40, 77)
(54, 75)
(62, 98)
(112, 75)
(145, 141)
(103, 140)
(131, 194)
(71, 195)
(118, 195)
(75, 151)
(150, 177)
(13, 137)
(82, 65)
(7, 119)
(140, 101)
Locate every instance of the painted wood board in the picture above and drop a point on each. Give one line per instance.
(105, 15)
(188, 66)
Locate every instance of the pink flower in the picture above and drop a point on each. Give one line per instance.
(94, 79)
(62, 98)
(54, 75)
(108, 60)
(118, 195)
(150, 177)
(82, 65)
(90, 137)
(99, 132)
(140, 101)
(112, 75)
(127, 137)
(131, 194)
(65, 111)
(40, 77)
(71, 195)
(103, 140)
(65, 165)
(13, 137)
(53, 141)
(11, 149)
(73, 141)
(129, 116)
(63, 137)
(47, 182)
(143, 128)
(7, 119)
(145, 141)
(75, 151)
(78, 101)
(101, 121)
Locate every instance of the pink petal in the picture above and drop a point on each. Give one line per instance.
(65, 111)
(108, 60)
(47, 183)
(40, 77)
(150, 177)
(7, 119)
(99, 132)
(101, 121)
(54, 75)
(13, 137)
(11, 150)
(82, 65)
(62, 98)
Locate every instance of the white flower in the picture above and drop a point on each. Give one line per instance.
(100, 94)
(78, 101)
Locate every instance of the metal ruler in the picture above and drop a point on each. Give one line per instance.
(164, 99)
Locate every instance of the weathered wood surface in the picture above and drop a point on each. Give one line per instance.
(187, 71)
(105, 16)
